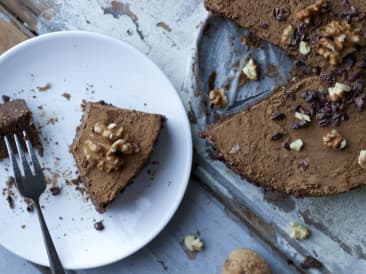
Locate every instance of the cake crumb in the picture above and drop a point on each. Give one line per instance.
(99, 226)
(45, 87)
(164, 26)
(5, 98)
(66, 95)
(55, 190)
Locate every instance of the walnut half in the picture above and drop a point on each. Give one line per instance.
(335, 140)
(338, 41)
(218, 98)
(105, 148)
(307, 13)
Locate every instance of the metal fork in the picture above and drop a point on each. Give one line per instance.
(31, 186)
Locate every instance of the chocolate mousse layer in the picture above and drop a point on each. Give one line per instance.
(318, 32)
(288, 143)
(111, 146)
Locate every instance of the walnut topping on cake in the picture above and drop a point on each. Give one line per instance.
(307, 13)
(297, 145)
(304, 48)
(251, 70)
(362, 159)
(337, 92)
(218, 98)
(106, 147)
(334, 140)
(338, 41)
(287, 34)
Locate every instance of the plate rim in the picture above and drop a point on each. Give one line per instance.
(187, 174)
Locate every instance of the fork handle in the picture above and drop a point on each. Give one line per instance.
(55, 263)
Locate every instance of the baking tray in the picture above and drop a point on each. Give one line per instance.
(337, 223)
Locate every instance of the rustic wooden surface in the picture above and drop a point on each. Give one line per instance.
(167, 40)
(165, 31)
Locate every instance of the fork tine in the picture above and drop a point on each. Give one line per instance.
(13, 161)
(32, 155)
(25, 164)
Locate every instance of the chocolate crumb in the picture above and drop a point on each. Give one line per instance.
(277, 116)
(297, 125)
(30, 208)
(286, 146)
(10, 201)
(5, 98)
(277, 135)
(290, 95)
(55, 190)
(99, 226)
(303, 164)
(311, 262)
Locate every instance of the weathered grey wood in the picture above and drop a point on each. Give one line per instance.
(199, 211)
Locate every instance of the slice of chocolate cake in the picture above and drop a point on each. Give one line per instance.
(15, 117)
(111, 146)
(320, 33)
(305, 140)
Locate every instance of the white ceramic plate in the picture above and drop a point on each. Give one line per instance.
(92, 67)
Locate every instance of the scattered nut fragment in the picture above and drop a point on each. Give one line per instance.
(234, 149)
(299, 231)
(338, 41)
(304, 48)
(307, 13)
(193, 243)
(245, 261)
(297, 145)
(362, 159)
(251, 70)
(218, 98)
(337, 92)
(335, 140)
(287, 34)
(302, 116)
(44, 87)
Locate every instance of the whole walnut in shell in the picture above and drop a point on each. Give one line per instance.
(245, 261)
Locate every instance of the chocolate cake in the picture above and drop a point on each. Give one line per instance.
(111, 146)
(320, 33)
(15, 117)
(307, 138)
(301, 140)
